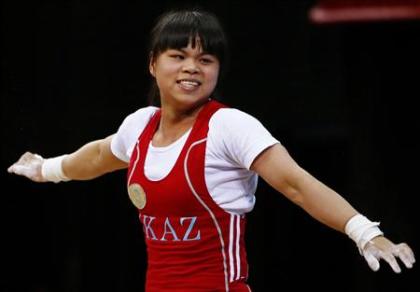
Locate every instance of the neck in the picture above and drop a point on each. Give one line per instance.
(174, 122)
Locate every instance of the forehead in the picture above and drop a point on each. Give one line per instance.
(185, 39)
(190, 42)
(193, 47)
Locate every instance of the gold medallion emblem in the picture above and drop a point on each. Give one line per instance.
(137, 195)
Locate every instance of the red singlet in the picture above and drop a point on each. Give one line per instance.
(192, 243)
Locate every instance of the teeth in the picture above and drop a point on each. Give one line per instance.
(189, 84)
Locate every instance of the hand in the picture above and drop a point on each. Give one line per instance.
(382, 248)
(29, 165)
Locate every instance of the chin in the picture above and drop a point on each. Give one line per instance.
(189, 102)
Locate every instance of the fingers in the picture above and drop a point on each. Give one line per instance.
(373, 255)
(371, 260)
(22, 159)
(20, 169)
(25, 170)
(15, 168)
(404, 252)
(392, 261)
(389, 253)
(11, 169)
(28, 165)
(25, 157)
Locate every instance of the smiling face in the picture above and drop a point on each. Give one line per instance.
(186, 77)
(188, 53)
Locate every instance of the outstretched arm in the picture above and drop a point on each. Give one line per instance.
(278, 169)
(91, 160)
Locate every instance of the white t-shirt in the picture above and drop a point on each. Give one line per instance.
(234, 140)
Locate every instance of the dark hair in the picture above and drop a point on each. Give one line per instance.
(178, 28)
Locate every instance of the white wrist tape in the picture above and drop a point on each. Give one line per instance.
(361, 230)
(52, 169)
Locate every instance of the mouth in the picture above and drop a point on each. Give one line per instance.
(188, 84)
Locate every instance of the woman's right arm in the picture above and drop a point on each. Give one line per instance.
(90, 161)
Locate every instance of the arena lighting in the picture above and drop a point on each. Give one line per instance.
(335, 11)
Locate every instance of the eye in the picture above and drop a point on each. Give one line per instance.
(177, 56)
(207, 59)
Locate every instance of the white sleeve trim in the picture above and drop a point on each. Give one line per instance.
(116, 150)
(257, 151)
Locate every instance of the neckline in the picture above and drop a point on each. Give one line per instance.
(178, 141)
(189, 135)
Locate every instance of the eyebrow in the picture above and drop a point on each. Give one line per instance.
(185, 52)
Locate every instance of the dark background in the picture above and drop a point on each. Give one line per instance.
(341, 97)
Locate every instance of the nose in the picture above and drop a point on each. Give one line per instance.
(190, 66)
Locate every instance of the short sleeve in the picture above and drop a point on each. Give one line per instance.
(238, 137)
(123, 142)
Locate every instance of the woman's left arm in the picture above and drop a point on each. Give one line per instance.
(281, 171)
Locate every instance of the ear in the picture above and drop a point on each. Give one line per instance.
(152, 65)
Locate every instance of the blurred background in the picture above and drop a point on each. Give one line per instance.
(336, 82)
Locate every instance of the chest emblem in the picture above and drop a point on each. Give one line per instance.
(137, 195)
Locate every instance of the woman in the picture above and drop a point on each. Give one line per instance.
(193, 165)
